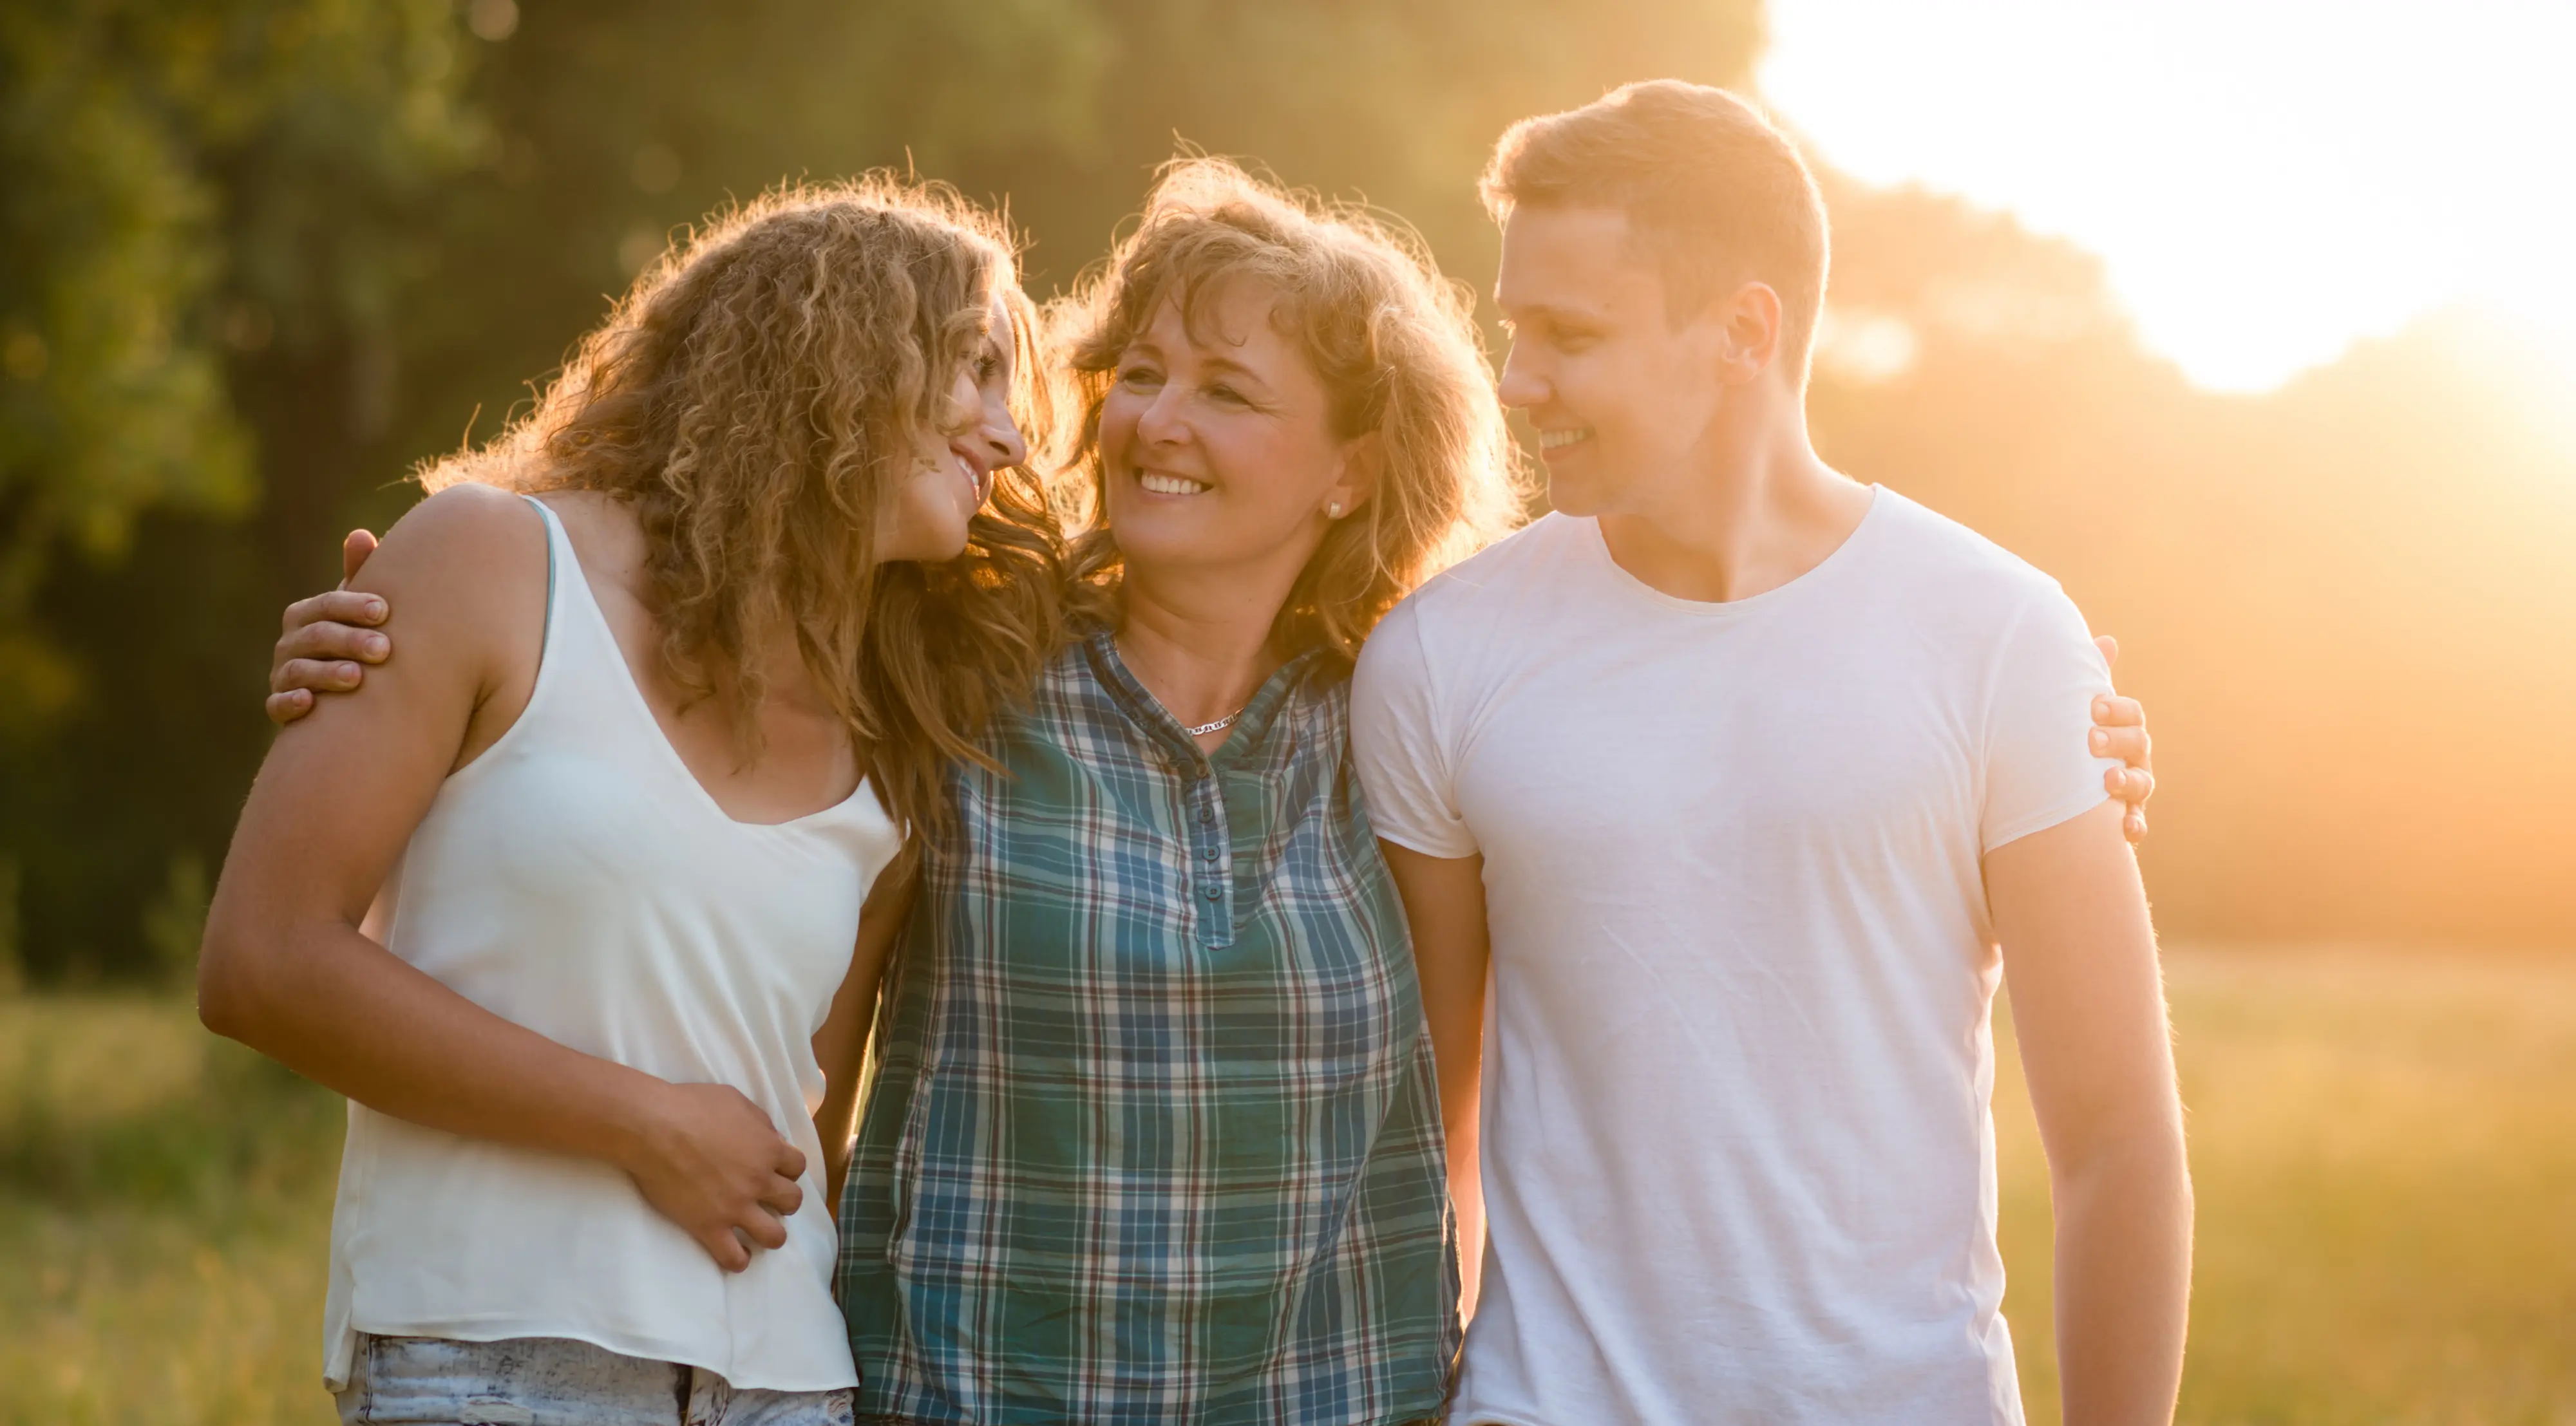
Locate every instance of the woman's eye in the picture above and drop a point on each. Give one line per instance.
(1226, 393)
(1139, 376)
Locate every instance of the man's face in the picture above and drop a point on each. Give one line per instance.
(1623, 397)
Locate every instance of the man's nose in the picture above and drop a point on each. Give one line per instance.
(1520, 384)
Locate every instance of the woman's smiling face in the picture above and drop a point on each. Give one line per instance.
(1217, 444)
(926, 514)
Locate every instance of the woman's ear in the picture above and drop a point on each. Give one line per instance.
(1363, 460)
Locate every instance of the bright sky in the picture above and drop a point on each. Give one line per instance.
(2266, 179)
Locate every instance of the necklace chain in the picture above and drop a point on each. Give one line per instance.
(1219, 726)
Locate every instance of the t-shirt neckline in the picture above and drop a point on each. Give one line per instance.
(1822, 572)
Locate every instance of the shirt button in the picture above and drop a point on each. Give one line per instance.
(1207, 816)
(1209, 891)
(1208, 853)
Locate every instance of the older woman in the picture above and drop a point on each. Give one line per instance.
(1154, 1133)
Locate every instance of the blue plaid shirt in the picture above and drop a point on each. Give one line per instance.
(1153, 1135)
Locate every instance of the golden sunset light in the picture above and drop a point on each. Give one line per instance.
(2266, 180)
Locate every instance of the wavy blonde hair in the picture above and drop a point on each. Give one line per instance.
(753, 399)
(1395, 343)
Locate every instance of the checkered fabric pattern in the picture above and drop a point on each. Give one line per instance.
(1153, 1135)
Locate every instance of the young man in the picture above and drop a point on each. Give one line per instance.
(1739, 771)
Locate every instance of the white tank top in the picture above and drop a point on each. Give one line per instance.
(577, 879)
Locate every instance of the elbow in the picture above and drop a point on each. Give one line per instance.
(2138, 1151)
(228, 982)
(222, 1007)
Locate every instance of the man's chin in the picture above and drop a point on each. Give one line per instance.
(1580, 499)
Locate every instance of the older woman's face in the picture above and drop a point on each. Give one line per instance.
(926, 514)
(1217, 446)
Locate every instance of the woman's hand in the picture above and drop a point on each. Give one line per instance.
(328, 640)
(2119, 731)
(707, 1159)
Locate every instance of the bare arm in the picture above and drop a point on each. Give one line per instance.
(841, 1046)
(2088, 1006)
(286, 970)
(1444, 900)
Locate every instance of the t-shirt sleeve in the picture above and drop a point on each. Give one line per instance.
(2040, 770)
(1401, 745)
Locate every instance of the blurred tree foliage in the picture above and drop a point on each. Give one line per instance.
(165, 168)
(189, 189)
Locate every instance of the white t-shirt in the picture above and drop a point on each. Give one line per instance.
(1738, 1157)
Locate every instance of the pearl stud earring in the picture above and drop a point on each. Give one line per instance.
(1333, 510)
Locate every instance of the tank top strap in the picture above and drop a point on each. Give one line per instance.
(554, 562)
(583, 689)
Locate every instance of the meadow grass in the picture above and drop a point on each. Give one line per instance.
(2383, 1151)
(2384, 1146)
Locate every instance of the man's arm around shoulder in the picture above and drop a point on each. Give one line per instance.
(2088, 1007)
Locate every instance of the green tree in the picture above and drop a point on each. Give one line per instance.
(182, 183)
(132, 137)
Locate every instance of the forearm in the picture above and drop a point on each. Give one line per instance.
(1467, 1196)
(2123, 1280)
(1457, 1045)
(836, 1122)
(342, 1010)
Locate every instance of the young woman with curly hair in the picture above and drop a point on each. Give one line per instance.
(685, 655)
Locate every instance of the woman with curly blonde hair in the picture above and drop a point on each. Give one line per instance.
(686, 654)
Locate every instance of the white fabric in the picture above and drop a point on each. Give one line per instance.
(578, 880)
(1738, 1160)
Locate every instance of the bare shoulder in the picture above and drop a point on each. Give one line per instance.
(463, 574)
(455, 542)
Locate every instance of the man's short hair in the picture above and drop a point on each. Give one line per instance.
(1714, 192)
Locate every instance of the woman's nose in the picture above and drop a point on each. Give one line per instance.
(1002, 437)
(1160, 424)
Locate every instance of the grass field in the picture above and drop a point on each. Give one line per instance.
(2385, 1149)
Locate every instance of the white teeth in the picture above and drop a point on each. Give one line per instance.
(1169, 484)
(1558, 440)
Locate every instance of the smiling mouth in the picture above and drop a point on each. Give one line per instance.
(977, 480)
(1159, 484)
(1559, 440)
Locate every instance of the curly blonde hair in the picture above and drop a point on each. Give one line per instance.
(1395, 343)
(753, 399)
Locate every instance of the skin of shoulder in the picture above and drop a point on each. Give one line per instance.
(463, 576)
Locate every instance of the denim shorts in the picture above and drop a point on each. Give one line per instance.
(548, 1381)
